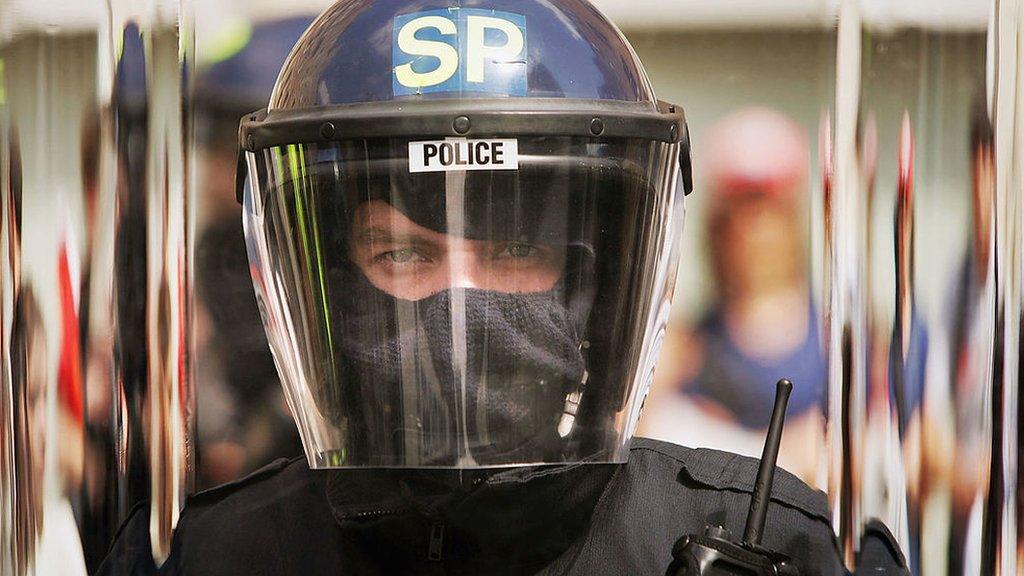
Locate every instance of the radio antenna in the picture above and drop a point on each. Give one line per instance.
(766, 474)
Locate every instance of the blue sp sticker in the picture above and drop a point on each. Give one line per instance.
(460, 50)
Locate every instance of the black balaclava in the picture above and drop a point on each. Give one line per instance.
(511, 366)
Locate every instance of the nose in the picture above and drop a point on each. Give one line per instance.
(465, 270)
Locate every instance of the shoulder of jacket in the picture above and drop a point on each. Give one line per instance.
(268, 472)
(723, 471)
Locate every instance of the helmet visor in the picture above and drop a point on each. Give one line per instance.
(464, 303)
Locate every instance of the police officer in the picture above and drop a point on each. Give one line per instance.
(462, 227)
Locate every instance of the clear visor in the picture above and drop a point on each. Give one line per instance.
(464, 303)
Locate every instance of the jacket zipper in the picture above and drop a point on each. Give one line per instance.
(435, 553)
(375, 514)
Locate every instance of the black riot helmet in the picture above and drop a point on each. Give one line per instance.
(463, 224)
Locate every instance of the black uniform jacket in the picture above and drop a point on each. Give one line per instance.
(581, 519)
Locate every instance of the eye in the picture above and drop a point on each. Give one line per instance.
(519, 251)
(401, 256)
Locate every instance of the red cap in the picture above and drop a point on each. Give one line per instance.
(756, 150)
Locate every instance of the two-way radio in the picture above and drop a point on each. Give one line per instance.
(715, 553)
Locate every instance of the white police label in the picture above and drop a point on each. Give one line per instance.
(462, 155)
(460, 50)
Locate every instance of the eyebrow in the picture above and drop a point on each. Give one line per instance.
(377, 234)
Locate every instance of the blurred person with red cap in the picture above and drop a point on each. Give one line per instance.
(761, 326)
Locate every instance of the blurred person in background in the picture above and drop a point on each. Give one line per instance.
(28, 376)
(245, 421)
(897, 355)
(46, 536)
(717, 383)
(972, 368)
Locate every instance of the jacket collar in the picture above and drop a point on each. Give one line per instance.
(489, 521)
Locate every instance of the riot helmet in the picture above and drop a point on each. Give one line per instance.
(462, 224)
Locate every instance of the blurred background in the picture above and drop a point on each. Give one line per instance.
(855, 228)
